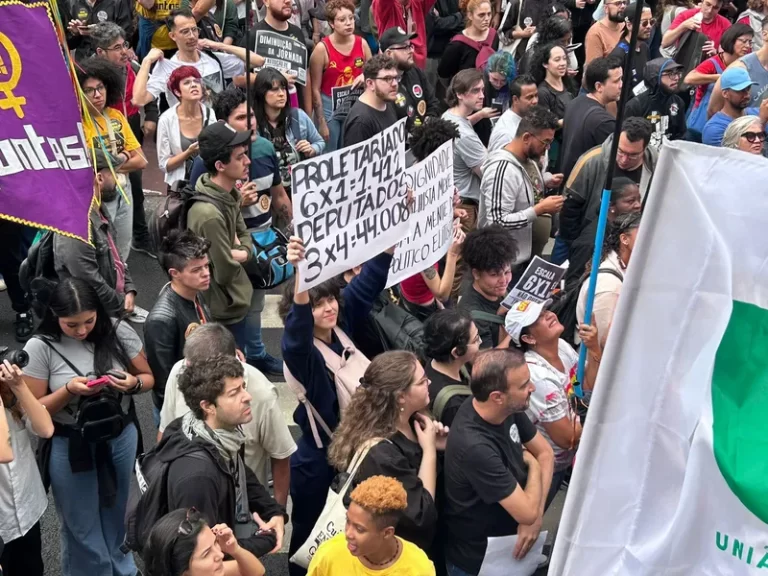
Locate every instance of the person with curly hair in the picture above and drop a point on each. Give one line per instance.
(106, 128)
(182, 543)
(488, 254)
(388, 406)
(181, 124)
(473, 46)
(369, 543)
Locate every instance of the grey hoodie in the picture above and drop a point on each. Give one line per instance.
(507, 198)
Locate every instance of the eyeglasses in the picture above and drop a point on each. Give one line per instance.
(188, 32)
(672, 73)
(745, 41)
(408, 47)
(617, 3)
(187, 525)
(388, 79)
(91, 91)
(646, 23)
(753, 137)
(628, 156)
(545, 143)
(123, 46)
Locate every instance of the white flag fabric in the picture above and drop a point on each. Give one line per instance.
(671, 477)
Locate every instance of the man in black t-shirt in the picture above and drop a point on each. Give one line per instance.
(641, 51)
(488, 253)
(492, 486)
(375, 110)
(416, 98)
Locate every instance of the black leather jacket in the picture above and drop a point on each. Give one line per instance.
(164, 334)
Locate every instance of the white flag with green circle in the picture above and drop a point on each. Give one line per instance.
(671, 477)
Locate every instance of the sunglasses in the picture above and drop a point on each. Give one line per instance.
(187, 525)
(753, 137)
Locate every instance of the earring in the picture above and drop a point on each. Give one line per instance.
(402, 409)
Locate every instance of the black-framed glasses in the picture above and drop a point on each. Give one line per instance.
(123, 46)
(388, 79)
(90, 91)
(408, 47)
(187, 525)
(753, 137)
(672, 73)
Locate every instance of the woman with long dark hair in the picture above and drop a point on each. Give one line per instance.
(291, 131)
(182, 543)
(389, 405)
(79, 355)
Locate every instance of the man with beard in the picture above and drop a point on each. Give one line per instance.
(375, 110)
(98, 263)
(660, 103)
(641, 50)
(416, 98)
(606, 33)
(276, 19)
(736, 85)
(523, 94)
(512, 187)
(494, 487)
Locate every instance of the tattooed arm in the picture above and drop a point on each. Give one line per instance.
(281, 204)
(441, 287)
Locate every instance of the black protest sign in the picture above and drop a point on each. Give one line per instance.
(537, 283)
(340, 93)
(283, 53)
(350, 205)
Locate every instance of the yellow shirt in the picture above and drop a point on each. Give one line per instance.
(333, 558)
(124, 140)
(159, 13)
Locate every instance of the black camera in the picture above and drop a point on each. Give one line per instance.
(18, 357)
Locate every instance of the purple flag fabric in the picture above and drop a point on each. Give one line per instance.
(46, 179)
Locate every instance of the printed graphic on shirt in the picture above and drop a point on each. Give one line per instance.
(213, 83)
(514, 434)
(345, 77)
(102, 16)
(117, 144)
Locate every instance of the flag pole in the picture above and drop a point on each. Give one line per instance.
(248, 16)
(606, 196)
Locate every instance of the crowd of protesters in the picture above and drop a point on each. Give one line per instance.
(469, 431)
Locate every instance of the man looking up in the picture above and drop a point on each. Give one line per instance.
(375, 110)
(416, 98)
(493, 487)
(184, 257)
(523, 93)
(605, 34)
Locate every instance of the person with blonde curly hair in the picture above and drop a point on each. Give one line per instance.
(466, 49)
(369, 542)
(388, 406)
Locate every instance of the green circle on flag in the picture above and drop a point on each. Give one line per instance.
(740, 406)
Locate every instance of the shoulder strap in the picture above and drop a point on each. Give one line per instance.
(68, 363)
(717, 65)
(294, 125)
(312, 414)
(612, 272)
(448, 392)
(487, 317)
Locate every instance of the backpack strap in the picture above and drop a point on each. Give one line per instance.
(487, 317)
(445, 394)
(468, 41)
(312, 414)
(293, 123)
(612, 272)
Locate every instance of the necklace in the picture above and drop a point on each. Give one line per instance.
(397, 551)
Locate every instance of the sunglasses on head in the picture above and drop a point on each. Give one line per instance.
(187, 525)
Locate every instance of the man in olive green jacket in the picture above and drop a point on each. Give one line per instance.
(217, 217)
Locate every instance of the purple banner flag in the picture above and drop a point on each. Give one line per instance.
(46, 179)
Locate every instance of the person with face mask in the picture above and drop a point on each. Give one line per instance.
(736, 85)
(605, 34)
(498, 468)
(625, 199)
(660, 104)
(369, 544)
(375, 110)
(634, 160)
(99, 264)
(512, 189)
(488, 254)
(415, 99)
(617, 250)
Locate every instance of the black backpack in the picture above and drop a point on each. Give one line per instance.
(38, 269)
(397, 328)
(564, 305)
(148, 496)
(172, 213)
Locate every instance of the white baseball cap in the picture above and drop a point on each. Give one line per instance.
(523, 313)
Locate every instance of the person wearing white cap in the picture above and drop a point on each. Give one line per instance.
(552, 364)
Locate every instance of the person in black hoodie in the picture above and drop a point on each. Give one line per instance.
(204, 449)
(444, 21)
(660, 104)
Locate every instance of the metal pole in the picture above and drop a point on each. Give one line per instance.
(606, 196)
(248, 15)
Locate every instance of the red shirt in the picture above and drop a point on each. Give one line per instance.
(342, 69)
(707, 67)
(712, 30)
(415, 289)
(124, 105)
(410, 15)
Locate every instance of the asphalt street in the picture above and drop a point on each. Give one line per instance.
(149, 279)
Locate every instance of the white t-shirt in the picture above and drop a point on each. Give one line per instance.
(213, 74)
(266, 435)
(549, 402)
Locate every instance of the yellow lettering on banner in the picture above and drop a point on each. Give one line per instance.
(8, 85)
